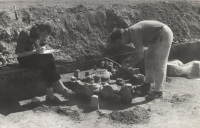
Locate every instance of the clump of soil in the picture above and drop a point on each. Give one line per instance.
(177, 99)
(44, 108)
(75, 114)
(137, 115)
(102, 115)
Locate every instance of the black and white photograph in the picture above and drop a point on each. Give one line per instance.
(99, 63)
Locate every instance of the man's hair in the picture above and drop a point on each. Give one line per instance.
(116, 34)
(43, 27)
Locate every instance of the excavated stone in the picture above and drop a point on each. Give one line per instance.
(110, 93)
(137, 79)
(120, 82)
(126, 95)
(94, 102)
(95, 87)
(103, 73)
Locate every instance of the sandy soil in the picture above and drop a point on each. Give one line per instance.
(179, 108)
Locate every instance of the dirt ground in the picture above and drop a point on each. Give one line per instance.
(179, 108)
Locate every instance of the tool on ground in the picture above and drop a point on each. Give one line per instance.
(113, 61)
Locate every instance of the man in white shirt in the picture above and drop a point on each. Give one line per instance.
(158, 38)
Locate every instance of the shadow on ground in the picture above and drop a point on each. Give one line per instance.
(7, 108)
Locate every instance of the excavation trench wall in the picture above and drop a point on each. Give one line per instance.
(82, 32)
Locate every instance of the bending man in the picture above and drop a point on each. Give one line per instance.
(158, 38)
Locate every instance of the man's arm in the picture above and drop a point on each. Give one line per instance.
(23, 47)
(136, 39)
(35, 51)
(138, 54)
(26, 53)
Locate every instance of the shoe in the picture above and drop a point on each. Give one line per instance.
(154, 95)
(67, 93)
(143, 89)
(53, 100)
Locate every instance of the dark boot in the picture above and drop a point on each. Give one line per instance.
(143, 89)
(154, 95)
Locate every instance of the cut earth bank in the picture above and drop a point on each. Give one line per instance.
(82, 32)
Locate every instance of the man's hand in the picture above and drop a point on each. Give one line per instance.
(132, 63)
(40, 50)
(127, 60)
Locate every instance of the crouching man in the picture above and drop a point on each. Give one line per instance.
(158, 38)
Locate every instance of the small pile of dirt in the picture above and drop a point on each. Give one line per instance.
(74, 114)
(136, 116)
(177, 99)
(102, 115)
(44, 108)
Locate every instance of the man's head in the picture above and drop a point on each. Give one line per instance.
(120, 36)
(116, 34)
